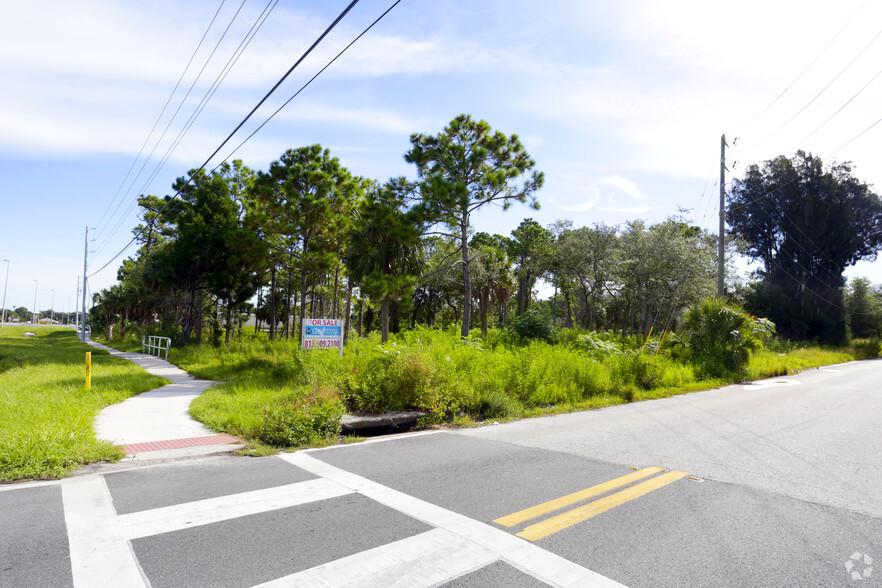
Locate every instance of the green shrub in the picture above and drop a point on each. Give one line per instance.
(867, 348)
(533, 324)
(597, 343)
(296, 425)
(491, 404)
(719, 337)
(396, 380)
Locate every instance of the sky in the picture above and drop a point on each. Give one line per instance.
(621, 104)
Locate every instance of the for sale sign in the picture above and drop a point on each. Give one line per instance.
(323, 334)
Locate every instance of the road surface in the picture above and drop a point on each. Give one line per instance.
(777, 483)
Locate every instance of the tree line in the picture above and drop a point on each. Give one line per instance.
(308, 238)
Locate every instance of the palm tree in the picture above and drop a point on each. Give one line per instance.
(384, 247)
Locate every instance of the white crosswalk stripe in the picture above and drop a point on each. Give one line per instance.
(213, 510)
(424, 560)
(102, 555)
(99, 554)
(543, 565)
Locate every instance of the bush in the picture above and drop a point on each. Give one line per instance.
(491, 404)
(867, 348)
(295, 425)
(533, 324)
(719, 337)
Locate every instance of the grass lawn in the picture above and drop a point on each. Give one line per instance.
(46, 422)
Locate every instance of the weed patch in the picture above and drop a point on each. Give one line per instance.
(278, 395)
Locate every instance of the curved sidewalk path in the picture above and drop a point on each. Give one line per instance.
(157, 420)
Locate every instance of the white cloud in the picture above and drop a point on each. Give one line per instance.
(624, 185)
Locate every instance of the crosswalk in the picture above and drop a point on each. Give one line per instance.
(102, 551)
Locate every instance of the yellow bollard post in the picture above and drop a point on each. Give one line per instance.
(657, 349)
(88, 370)
(647, 339)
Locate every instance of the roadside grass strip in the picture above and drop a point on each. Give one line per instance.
(582, 513)
(47, 415)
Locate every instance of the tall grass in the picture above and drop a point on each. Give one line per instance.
(279, 394)
(274, 392)
(46, 422)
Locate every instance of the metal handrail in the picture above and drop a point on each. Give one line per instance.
(150, 343)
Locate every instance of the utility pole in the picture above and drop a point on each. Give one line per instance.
(77, 312)
(721, 268)
(3, 310)
(85, 269)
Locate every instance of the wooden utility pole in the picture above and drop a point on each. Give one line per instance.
(721, 268)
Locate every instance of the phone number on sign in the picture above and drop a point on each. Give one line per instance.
(322, 343)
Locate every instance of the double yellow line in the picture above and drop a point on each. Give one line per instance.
(569, 518)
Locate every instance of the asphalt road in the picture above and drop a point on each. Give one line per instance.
(770, 484)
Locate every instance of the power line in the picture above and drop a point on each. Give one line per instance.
(279, 83)
(171, 120)
(802, 73)
(209, 94)
(251, 113)
(162, 112)
(303, 87)
(234, 58)
(856, 137)
(824, 89)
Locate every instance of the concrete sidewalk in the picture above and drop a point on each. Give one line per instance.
(157, 420)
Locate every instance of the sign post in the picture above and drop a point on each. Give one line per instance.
(322, 334)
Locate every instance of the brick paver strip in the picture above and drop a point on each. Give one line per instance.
(181, 443)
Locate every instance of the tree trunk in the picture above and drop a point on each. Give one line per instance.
(394, 317)
(335, 310)
(384, 319)
(272, 325)
(288, 305)
(485, 308)
(369, 320)
(199, 312)
(256, 309)
(569, 321)
(466, 278)
(360, 328)
(314, 311)
(228, 322)
(346, 321)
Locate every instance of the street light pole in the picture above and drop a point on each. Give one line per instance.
(34, 312)
(52, 311)
(3, 312)
(76, 310)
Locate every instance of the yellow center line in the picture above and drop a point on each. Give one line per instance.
(583, 513)
(559, 503)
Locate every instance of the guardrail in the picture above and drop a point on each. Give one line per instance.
(153, 343)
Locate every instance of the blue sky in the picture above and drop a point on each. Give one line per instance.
(622, 104)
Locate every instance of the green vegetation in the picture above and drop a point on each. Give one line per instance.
(826, 220)
(277, 394)
(46, 421)
(404, 267)
(719, 337)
